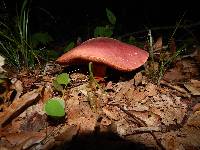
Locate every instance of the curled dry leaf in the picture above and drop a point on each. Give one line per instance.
(18, 106)
(158, 44)
(138, 78)
(17, 85)
(48, 93)
(109, 86)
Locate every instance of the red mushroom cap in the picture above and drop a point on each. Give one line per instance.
(108, 51)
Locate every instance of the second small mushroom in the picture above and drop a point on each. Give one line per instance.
(103, 51)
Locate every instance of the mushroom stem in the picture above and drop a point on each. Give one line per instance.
(99, 71)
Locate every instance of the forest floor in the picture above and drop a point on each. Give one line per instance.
(128, 112)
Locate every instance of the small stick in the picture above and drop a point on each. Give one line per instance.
(175, 87)
(141, 123)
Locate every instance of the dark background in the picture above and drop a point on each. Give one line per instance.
(68, 19)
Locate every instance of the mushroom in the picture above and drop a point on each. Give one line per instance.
(104, 51)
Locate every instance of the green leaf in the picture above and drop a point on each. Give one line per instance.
(55, 107)
(69, 46)
(63, 78)
(103, 31)
(111, 16)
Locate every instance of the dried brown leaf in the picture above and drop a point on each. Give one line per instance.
(151, 89)
(171, 142)
(168, 108)
(83, 117)
(66, 133)
(17, 85)
(138, 96)
(192, 89)
(112, 112)
(47, 94)
(196, 107)
(123, 89)
(25, 139)
(194, 120)
(195, 83)
(149, 118)
(193, 86)
(138, 78)
(158, 44)
(18, 106)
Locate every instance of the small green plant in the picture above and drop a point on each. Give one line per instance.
(107, 30)
(55, 107)
(61, 81)
(69, 46)
(91, 76)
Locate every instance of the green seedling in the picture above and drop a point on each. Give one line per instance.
(55, 107)
(61, 81)
(107, 30)
(69, 46)
(92, 98)
(91, 76)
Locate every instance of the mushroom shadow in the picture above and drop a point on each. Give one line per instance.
(101, 141)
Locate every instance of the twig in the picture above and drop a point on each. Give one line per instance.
(140, 123)
(175, 87)
(147, 129)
